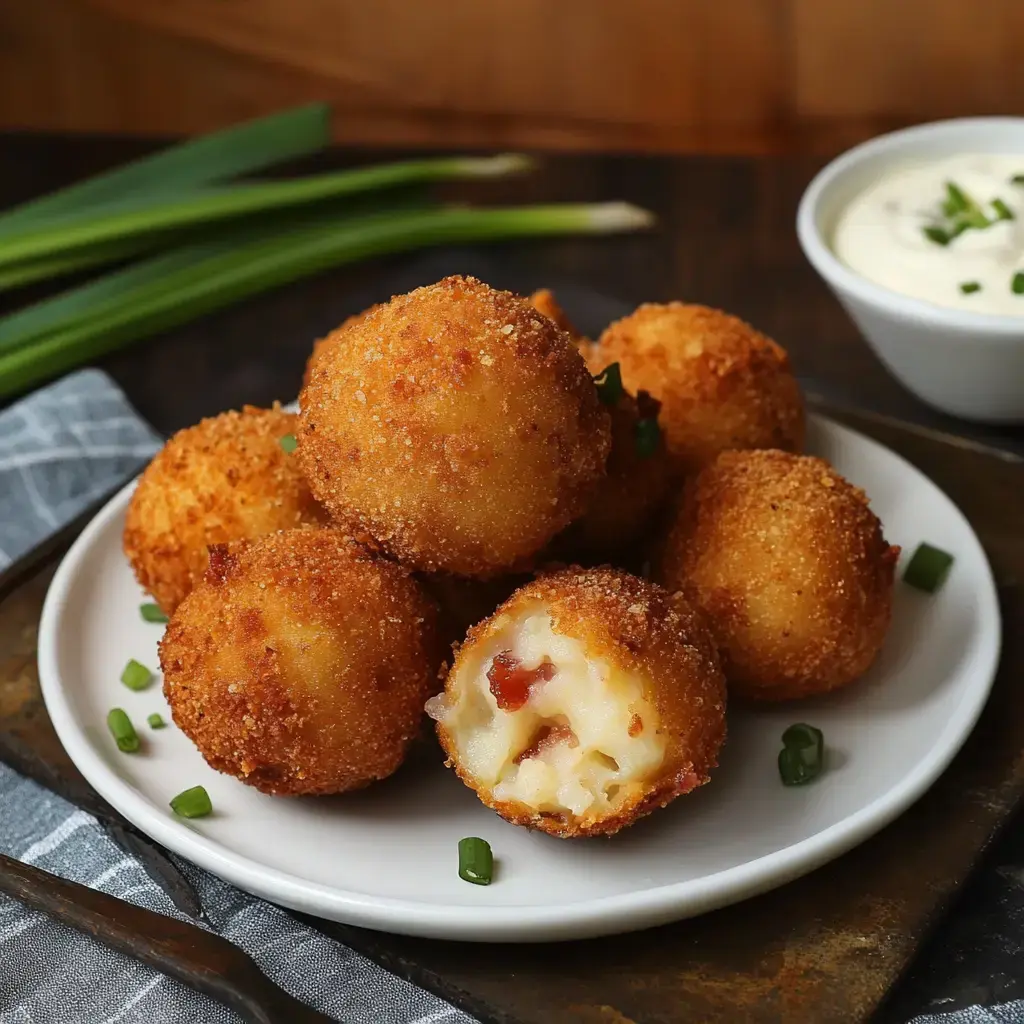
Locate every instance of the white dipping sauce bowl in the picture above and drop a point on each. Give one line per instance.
(968, 364)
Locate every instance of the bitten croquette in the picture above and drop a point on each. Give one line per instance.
(227, 478)
(789, 563)
(589, 699)
(301, 663)
(722, 385)
(455, 426)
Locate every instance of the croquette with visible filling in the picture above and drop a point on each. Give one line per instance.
(790, 565)
(722, 385)
(301, 663)
(227, 478)
(589, 699)
(457, 427)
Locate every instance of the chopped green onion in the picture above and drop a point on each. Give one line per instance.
(136, 676)
(802, 756)
(192, 803)
(940, 236)
(970, 287)
(156, 721)
(928, 568)
(1017, 179)
(609, 384)
(956, 200)
(1002, 210)
(1017, 283)
(476, 862)
(647, 435)
(121, 728)
(239, 271)
(289, 443)
(152, 613)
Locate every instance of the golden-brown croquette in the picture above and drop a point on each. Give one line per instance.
(301, 663)
(722, 385)
(227, 478)
(456, 426)
(330, 339)
(625, 506)
(789, 563)
(543, 300)
(589, 699)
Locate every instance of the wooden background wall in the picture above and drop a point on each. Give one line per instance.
(704, 75)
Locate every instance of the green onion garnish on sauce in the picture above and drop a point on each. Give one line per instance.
(646, 437)
(288, 443)
(476, 862)
(609, 384)
(1017, 179)
(192, 803)
(136, 676)
(940, 236)
(156, 721)
(970, 287)
(1003, 212)
(152, 613)
(956, 200)
(802, 756)
(928, 568)
(1017, 283)
(121, 728)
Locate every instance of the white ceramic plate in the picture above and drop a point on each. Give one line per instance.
(386, 858)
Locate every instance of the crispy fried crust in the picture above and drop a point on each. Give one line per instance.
(301, 663)
(334, 337)
(456, 426)
(543, 300)
(789, 562)
(722, 384)
(647, 631)
(225, 479)
(628, 500)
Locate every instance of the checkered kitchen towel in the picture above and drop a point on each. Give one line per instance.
(60, 449)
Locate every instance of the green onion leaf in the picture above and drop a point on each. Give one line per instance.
(192, 803)
(936, 234)
(1003, 212)
(136, 676)
(956, 200)
(928, 568)
(476, 862)
(219, 156)
(802, 757)
(1017, 283)
(152, 613)
(155, 721)
(1017, 179)
(970, 287)
(242, 270)
(609, 384)
(647, 436)
(289, 443)
(121, 728)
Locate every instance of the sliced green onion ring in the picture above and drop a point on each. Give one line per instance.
(151, 612)
(476, 862)
(609, 384)
(928, 568)
(192, 803)
(121, 728)
(136, 676)
(289, 443)
(156, 721)
(802, 757)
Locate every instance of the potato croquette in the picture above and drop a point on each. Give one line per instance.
(790, 565)
(722, 385)
(329, 339)
(627, 502)
(457, 427)
(589, 699)
(225, 479)
(301, 663)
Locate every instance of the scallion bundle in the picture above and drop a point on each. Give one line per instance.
(192, 240)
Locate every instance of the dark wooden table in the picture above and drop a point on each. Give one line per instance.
(725, 238)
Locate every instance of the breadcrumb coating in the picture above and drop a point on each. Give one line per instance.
(225, 479)
(301, 663)
(722, 385)
(457, 427)
(790, 565)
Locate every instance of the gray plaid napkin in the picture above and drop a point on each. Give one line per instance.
(60, 449)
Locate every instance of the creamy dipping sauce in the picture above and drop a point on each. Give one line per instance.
(950, 232)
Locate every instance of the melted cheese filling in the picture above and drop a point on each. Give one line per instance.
(614, 744)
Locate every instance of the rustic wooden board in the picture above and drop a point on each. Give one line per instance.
(826, 948)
